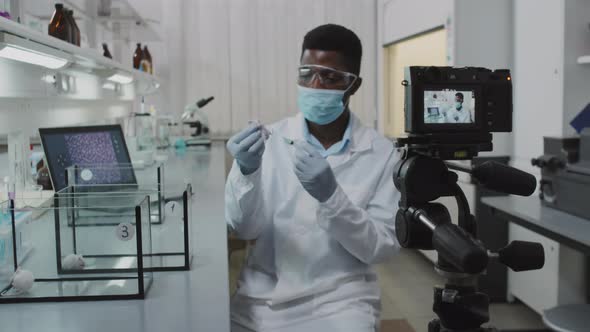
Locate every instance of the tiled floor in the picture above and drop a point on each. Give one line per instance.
(406, 289)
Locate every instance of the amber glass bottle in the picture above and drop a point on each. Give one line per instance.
(70, 23)
(76, 38)
(58, 26)
(148, 59)
(106, 51)
(137, 56)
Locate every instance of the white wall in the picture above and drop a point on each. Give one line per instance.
(473, 39)
(396, 20)
(484, 40)
(538, 77)
(29, 115)
(402, 19)
(245, 53)
(576, 94)
(549, 89)
(169, 57)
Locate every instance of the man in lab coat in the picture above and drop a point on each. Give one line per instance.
(318, 198)
(459, 113)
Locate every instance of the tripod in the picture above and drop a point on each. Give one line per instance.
(459, 306)
(422, 224)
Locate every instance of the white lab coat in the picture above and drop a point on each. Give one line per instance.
(458, 116)
(313, 259)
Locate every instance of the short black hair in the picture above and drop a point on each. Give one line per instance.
(333, 37)
(459, 94)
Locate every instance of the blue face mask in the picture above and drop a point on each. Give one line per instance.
(320, 106)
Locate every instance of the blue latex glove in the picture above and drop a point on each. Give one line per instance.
(314, 172)
(247, 148)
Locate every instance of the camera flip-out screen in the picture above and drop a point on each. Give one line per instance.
(449, 106)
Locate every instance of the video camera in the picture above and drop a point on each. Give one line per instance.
(450, 114)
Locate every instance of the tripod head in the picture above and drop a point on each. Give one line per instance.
(423, 224)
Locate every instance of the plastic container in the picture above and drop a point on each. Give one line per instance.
(170, 206)
(104, 261)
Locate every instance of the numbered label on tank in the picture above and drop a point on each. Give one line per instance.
(173, 209)
(125, 231)
(86, 174)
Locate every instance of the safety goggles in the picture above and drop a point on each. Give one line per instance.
(329, 78)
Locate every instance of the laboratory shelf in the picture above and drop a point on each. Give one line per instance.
(133, 17)
(82, 61)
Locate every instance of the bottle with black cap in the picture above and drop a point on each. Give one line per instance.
(58, 26)
(106, 53)
(76, 38)
(147, 57)
(71, 28)
(137, 56)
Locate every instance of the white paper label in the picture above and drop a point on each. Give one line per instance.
(125, 231)
(86, 174)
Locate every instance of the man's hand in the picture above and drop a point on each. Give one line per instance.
(247, 148)
(314, 172)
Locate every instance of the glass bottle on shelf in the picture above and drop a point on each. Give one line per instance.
(58, 26)
(137, 56)
(106, 51)
(76, 38)
(70, 25)
(148, 59)
(144, 131)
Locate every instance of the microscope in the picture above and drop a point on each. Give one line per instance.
(194, 117)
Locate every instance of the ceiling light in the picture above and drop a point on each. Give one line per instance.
(49, 79)
(120, 78)
(19, 49)
(32, 57)
(109, 86)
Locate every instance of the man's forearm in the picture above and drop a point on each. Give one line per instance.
(370, 238)
(244, 204)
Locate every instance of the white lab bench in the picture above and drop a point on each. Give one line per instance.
(531, 286)
(195, 300)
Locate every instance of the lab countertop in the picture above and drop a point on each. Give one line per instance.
(195, 300)
(552, 223)
(559, 226)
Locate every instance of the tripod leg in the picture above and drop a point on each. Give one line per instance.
(434, 325)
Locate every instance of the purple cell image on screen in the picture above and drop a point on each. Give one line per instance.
(94, 149)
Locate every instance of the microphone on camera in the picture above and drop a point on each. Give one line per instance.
(503, 178)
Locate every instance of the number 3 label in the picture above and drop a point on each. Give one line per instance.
(125, 231)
